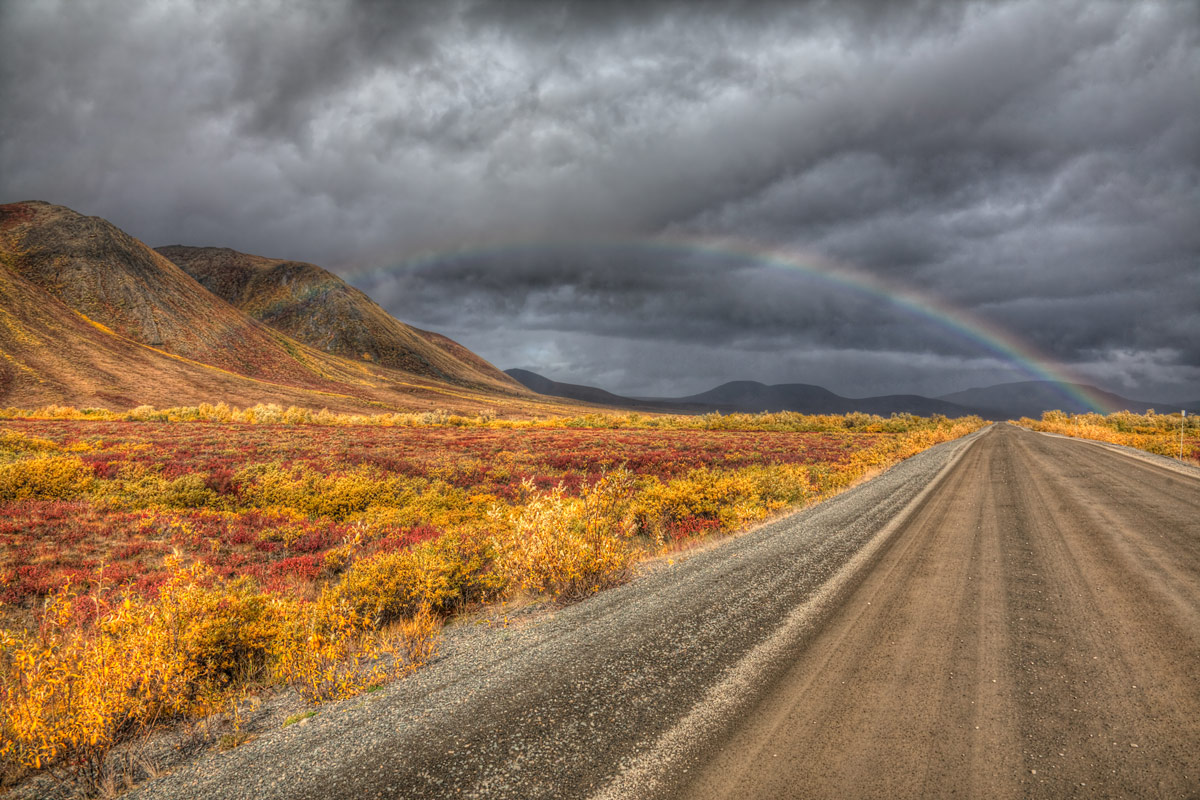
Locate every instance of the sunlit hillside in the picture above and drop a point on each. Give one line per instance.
(316, 307)
(90, 316)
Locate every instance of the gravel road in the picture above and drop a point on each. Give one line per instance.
(947, 627)
(1033, 630)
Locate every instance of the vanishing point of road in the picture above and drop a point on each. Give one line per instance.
(1009, 615)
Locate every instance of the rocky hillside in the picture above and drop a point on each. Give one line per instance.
(90, 316)
(316, 307)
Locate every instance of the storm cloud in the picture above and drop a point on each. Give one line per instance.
(545, 181)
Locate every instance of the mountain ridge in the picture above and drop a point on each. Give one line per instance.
(1002, 401)
(312, 305)
(1031, 398)
(91, 316)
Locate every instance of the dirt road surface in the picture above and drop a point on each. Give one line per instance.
(1032, 630)
(1009, 615)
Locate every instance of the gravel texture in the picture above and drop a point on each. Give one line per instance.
(1031, 630)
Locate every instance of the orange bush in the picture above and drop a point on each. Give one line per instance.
(568, 547)
(89, 675)
(1154, 433)
(330, 651)
(73, 688)
(391, 585)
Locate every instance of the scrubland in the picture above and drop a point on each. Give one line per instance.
(160, 565)
(1154, 433)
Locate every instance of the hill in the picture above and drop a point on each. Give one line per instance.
(109, 279)
(590, 394)
(1031, 398)
(1003, 401)
(586, 394)
(749, 397)
(90, 316)
(316, 307)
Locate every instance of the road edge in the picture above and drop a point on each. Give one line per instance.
(1154, 459)
(656, 771)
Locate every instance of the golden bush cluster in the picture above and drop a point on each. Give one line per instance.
(91, 671)
(1154, 433)
(272, 414)
(44, 477)
(91, 674)
(330, 651)
(568, 547)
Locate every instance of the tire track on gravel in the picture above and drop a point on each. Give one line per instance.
(1034, 631)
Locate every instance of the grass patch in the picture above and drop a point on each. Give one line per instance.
(294, 718)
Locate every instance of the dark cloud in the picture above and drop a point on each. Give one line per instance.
(1036, 165)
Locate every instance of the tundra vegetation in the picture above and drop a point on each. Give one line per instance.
(1171, 435)
(158, 566)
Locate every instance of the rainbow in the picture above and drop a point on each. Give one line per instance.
(986, 336)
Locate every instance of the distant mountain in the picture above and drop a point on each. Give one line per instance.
(749, 397)
(1005, 401)
(1031, 398)
(572, 391)
(90, 316)
(753, 396)
(590, 394)
(316, 307)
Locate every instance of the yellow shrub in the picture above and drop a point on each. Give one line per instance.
(222, 632)
(780, 485)
(188, 491)
(136, 486)
(702, 494)
(314, 494)
(68, 694)
(145, 413)
(470, 575)
(392, 585)
(568, 547)
(415, 640)
(336, 559)
(445, 575)
(71, 690)
(216, 413)
(324, 651)
(328, 651)
(13, 442)
(44, 478)
(1154, 433)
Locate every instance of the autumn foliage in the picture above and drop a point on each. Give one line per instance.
(1154, 433)
(157, 565)
(568, 547)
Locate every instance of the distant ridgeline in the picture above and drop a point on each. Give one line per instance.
(1003, 401)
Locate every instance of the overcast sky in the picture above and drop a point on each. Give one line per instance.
(543, 181)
